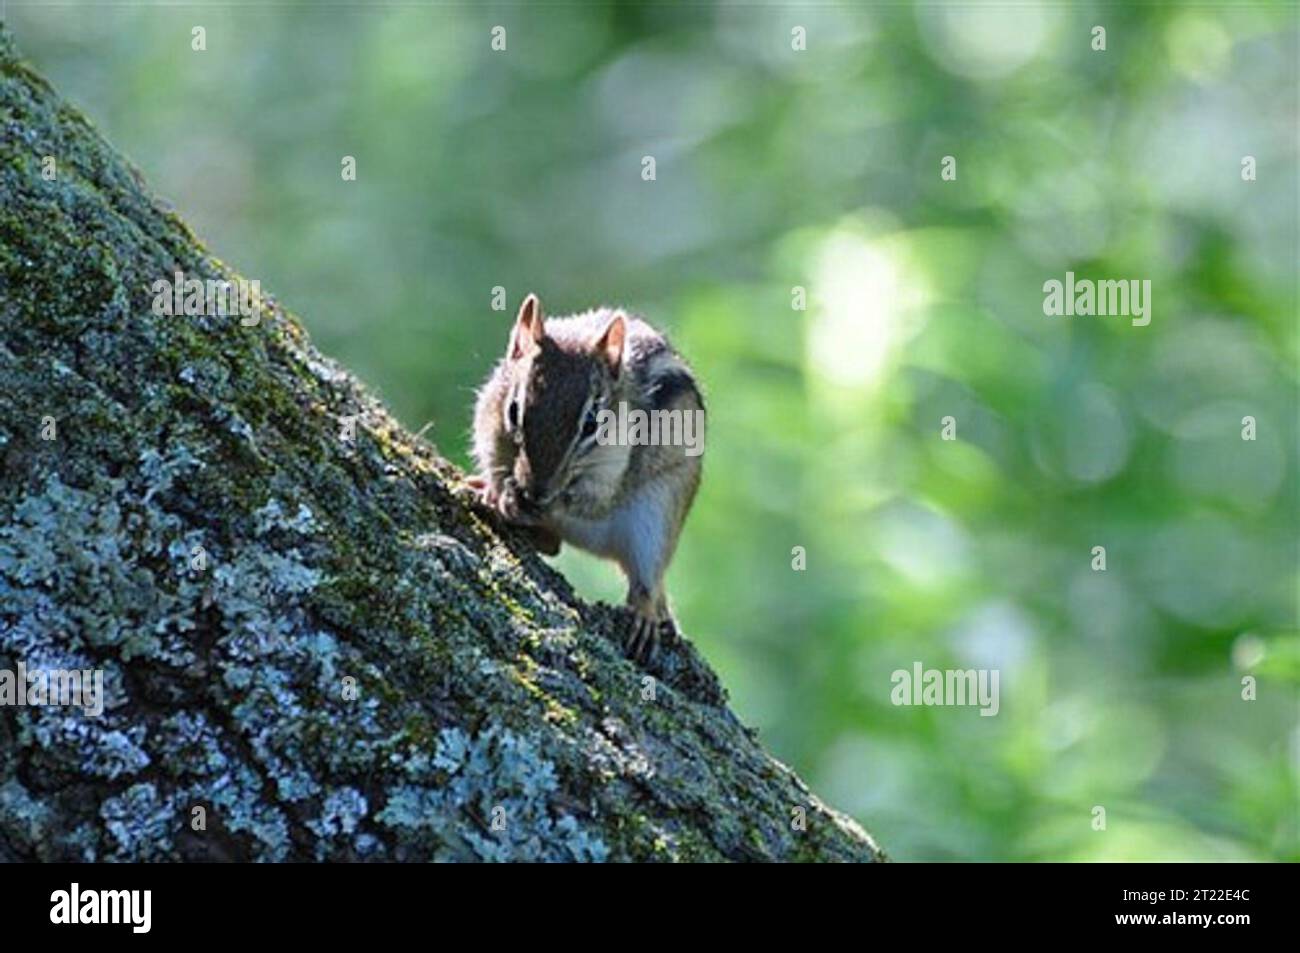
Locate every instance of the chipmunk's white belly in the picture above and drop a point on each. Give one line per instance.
(632, 534)
(591, 535)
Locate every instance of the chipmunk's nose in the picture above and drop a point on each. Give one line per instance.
(531, 491)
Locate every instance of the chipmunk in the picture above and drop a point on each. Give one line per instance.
(548, 461)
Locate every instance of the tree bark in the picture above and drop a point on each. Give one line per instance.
(313, 646)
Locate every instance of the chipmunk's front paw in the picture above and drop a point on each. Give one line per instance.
(503, 499)
(514, 509)
(482, 487)
(507, 503)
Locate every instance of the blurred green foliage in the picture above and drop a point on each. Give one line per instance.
(820, 169)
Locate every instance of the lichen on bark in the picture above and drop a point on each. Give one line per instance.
(317, 640)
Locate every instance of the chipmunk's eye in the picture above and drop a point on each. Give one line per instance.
(589, 424)
(512, 414)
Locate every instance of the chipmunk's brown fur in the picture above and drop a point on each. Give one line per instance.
(541, 464)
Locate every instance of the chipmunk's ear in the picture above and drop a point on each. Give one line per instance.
(529, 329)
(610, 345)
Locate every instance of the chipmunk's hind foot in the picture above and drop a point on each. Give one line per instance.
(652, 627)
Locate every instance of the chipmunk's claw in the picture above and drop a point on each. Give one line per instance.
(648, 633)
(504, 500)
(482, 488)
(641, 644)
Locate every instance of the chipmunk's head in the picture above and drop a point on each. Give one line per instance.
(553, 411)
